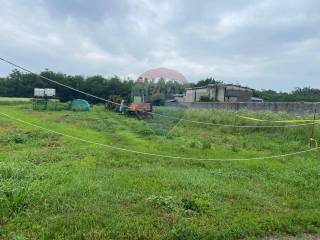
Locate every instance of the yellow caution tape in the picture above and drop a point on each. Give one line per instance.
(280, 121)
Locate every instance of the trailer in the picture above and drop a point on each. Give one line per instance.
(140, 110)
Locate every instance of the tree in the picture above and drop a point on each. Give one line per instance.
(19, 84)
(207, 81)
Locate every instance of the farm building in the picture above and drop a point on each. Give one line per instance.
(219, 93)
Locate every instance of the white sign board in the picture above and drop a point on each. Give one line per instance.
(49, 92)
(39, 92)
(44, 92)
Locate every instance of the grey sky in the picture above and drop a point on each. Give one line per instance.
(260, 43)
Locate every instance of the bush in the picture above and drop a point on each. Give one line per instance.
(165, 203)
(146, 132)
(206, 99)
(197, 205)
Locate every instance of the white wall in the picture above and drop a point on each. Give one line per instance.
(221, 91)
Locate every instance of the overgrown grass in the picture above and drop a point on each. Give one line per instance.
(13, 101)
(53, 187)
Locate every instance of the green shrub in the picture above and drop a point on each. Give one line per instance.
(146, 131)
(197, 204)
(166, 203)
(206, 99)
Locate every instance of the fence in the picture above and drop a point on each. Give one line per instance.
(290, 107)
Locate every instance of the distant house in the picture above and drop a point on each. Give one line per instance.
(219, 93)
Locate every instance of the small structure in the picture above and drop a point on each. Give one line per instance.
(80, 105)
(138, 93)
(41, 98)
(237, 93)
(219, 93)
(139, 107)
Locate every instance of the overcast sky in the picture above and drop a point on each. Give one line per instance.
(260, 43)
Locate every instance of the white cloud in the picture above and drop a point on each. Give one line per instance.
(264, 44)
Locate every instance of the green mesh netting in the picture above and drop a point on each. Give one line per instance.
(80, 105)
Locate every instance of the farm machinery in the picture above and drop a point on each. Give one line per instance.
(113, 103)
(138, 109)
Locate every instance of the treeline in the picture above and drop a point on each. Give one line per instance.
(205, 82)
(306, 94)
(19, 84)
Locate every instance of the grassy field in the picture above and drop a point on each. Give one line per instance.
(13, 101)
(10, 99)
(54, 187)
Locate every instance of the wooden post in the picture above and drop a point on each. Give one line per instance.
(236, 129)
(313, 126)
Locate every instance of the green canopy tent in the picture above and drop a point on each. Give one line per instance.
(80, 105)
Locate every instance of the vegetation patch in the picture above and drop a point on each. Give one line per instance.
(195, 205)
(55, 187)
(166, 203)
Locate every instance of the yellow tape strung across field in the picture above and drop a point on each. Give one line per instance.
(310, 121)
(154, 154)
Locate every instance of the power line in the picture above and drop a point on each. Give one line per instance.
(162, 115)
(50, 80)
(155, 154)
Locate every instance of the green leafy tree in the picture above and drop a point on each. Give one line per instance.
(207, 81)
